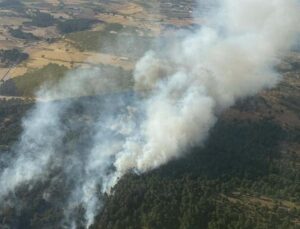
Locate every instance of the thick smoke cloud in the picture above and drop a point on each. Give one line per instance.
(177, 95)
(206, 73)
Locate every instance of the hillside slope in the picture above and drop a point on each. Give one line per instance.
(245, 176)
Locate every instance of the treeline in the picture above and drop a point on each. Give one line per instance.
(20, 34)
(10, 57)
(11, 4)
(186, 203)
(11, 113)
(197, 191)
(74, 25)
(41, 19)
(45, 20)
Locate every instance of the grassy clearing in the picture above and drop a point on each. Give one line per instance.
(86, 41)
(114, 39)
(27, 84)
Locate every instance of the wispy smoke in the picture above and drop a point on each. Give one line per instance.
(177, 95)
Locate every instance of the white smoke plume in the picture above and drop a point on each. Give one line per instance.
(177, 95)
(231, 58)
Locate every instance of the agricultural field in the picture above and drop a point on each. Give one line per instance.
(83, 33)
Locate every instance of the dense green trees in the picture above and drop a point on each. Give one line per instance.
(10, 57)
(19, 33)
(74, 25)
(41, 19)
(238, 180)
(11, 112)
(198, 190)
(11, 4)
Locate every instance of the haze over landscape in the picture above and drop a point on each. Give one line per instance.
(149, 114)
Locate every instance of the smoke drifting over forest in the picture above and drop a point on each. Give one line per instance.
(177, 96)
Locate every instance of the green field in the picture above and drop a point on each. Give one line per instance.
(28, 84)
(113, 39)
